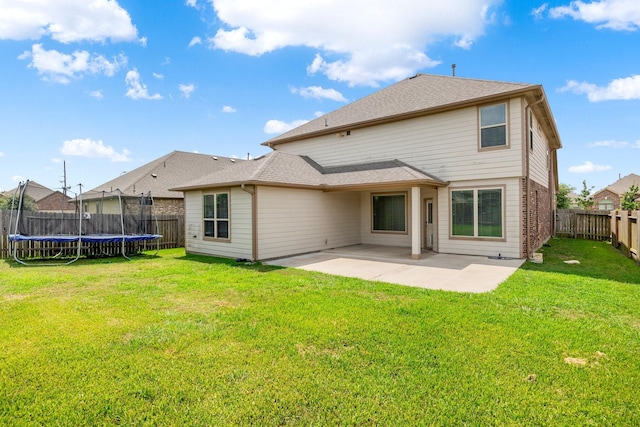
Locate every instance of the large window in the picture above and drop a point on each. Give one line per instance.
(389, 212)
(477, 213)
(493, 126)
(216, 215)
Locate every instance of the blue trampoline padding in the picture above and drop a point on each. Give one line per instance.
(89, 238)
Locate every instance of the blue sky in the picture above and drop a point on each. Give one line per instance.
(107, 86)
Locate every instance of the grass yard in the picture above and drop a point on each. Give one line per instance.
(190, 340)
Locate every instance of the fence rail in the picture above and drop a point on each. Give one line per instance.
(171, 227)
(621, 227)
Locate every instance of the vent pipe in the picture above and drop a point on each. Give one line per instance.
(453, 70)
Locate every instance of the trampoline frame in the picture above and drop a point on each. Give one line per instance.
(79, 239)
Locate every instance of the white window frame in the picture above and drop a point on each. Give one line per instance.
(215, 219)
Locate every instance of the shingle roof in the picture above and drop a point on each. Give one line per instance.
(622, 185)
(289, 170)
(34, 190)
(418, 95)
(173, 169)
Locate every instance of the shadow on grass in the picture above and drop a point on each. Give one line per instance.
(236, 263)
(82, 261)
(597, 260)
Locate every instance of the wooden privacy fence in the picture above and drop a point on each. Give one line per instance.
(581, 224)
(171, 227)
(624, 233)
(620, 227)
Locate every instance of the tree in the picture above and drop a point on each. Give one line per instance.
(563, 201)
(628, 201)
(584, 199)
(28, 204)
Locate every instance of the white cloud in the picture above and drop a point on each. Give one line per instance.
(277, 126)
(318, 92)
(627, 88)
(191, 3)
(588, 167)
(93, 149)
(368, 42)
(136, 89)
(1, 154)
(538, 12)
(61, 68)
(66, 21)
(186, 90)
(194, 41)
(158, 76)
(620, 15)
(615, 144)
(96, 94)
(228, 109)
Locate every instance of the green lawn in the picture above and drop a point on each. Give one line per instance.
(190, 340)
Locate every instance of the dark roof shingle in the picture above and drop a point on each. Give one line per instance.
(416, 95)
(283, 169)
(158, 176)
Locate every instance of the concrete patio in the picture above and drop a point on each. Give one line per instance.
(460, 273)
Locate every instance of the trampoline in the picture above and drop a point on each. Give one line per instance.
(73, 234)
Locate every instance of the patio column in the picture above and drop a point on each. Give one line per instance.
(415, 223)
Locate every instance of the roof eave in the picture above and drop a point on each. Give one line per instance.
(323, 187)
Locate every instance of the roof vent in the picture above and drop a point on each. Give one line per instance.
(215, 158)
(154, 175)
(232, 160)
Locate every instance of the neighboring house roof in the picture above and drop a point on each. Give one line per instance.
(289, 170)
(622, 185)
(158, 176)
(421, 95)
(34, 190)
(45, 198)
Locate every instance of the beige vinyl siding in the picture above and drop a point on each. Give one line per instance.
(109, 206)
(444, 145)
(538, 157)
(294, 221)
(240, 243)
(509, 247)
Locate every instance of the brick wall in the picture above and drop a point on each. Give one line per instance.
(539, 215)
(168, 206)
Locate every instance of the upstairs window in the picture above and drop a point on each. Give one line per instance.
(493, 126)
(530, 130)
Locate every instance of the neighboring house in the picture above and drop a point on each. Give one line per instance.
(155, 177)
(608, 199)
(448, 164)
(46, 199)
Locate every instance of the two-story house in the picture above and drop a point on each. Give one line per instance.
(447, 164)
